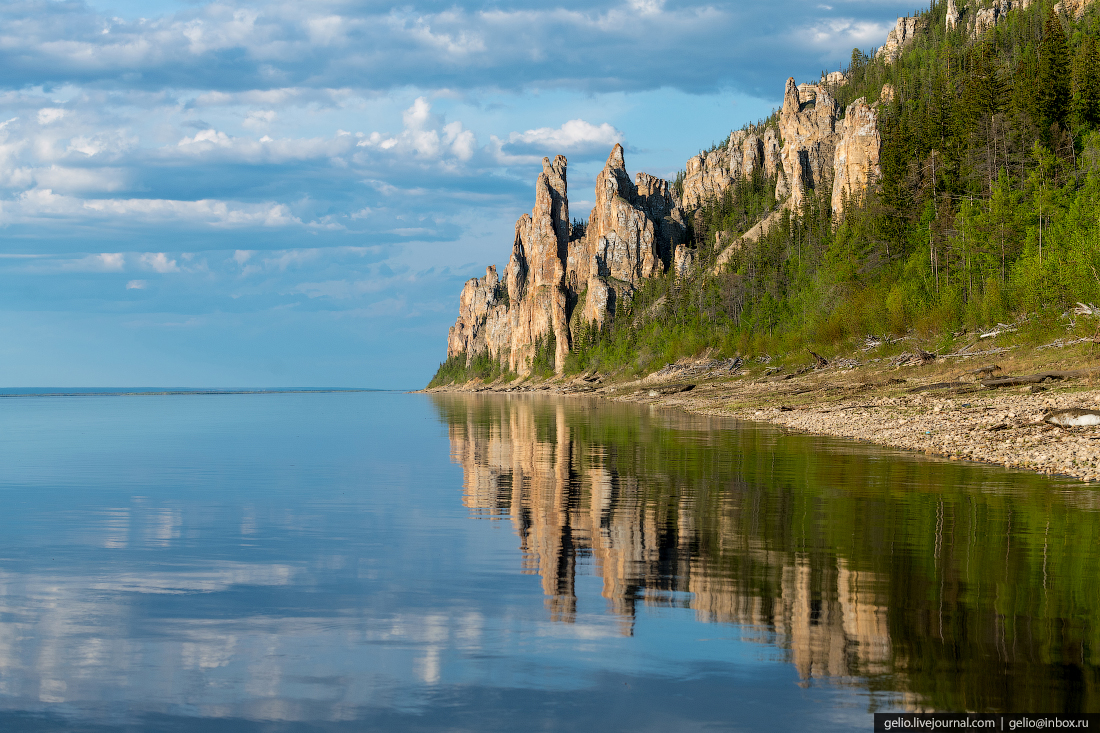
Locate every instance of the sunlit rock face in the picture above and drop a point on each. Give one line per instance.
(899, 37)
(856, 158)
(708, 175)
(557, 280)
(808, 125)
(1072, 8)
(631, 234)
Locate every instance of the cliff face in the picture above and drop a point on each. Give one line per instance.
(899, 37)
(631, 234)
(556, 279)
(856, 157)
(807, 123)
(708, 175)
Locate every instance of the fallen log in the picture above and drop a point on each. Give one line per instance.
(954, 386)
(1020, 380)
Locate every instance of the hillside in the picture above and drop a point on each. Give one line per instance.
(944, 184)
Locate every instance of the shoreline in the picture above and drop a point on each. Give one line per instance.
(952, 408)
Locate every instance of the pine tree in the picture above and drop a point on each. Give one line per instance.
(1085, 110)
(982, 95)
(1053, 84)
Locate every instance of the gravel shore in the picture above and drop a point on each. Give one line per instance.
(934, 405)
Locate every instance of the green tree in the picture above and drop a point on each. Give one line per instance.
(1053, 83)
(1085, 111)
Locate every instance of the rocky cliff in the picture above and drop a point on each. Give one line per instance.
(631, 234)
(557, 280)
(708, 175)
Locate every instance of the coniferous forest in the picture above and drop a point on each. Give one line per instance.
(987, 212)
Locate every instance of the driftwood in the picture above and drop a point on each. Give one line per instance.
(986, 371)
(954, 386)
(675, 389)
(822, 362)
(1030, 379)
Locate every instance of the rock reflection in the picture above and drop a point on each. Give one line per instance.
(569, 498)
(926, 580)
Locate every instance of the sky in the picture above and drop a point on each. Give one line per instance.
(289, 194)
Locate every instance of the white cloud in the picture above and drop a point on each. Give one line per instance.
(50, 115)
(66, 179)
(425, 136)
(112, 260)
(137, 285)
(159, 262)
(211, 137)
(577, 137)
(572, 134)
(259, 119)
(103, 262)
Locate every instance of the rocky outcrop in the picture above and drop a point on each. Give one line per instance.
(478, 301)
(898, 38)
(1072, 8)
(655, 198)
(986, 18)
(709, 174)
(856, 160)
(952, 16)
(808, 127)
(632, 233)
(706, 177)
(683, 264)
(557, 280)
(773, 159)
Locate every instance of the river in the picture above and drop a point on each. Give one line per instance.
(386, 561)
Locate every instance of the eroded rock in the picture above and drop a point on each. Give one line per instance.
(809, 135)
(631, 235)
(856, 160)
(899, 37)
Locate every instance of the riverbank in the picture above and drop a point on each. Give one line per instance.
(982, 405)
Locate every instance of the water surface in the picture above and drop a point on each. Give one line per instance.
(352, 561)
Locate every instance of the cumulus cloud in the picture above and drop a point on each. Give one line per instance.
(50, 115)
(158, 262)
(425, 135)
(575, 137)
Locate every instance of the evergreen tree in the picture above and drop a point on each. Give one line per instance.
(1086, 85)
(984, 89)
(1053, 83)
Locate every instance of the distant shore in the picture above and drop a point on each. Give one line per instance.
(959, 406)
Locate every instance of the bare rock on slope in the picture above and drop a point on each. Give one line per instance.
(809, 140)
(899, 37)
(856, 160)
(632, 233)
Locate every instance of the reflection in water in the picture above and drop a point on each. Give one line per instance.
(944, 585)
(307, 559)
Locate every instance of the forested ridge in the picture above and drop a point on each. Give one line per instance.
(987, 211)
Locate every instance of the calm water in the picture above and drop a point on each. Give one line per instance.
(379, 561)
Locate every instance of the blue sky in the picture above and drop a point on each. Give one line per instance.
(292, 194)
